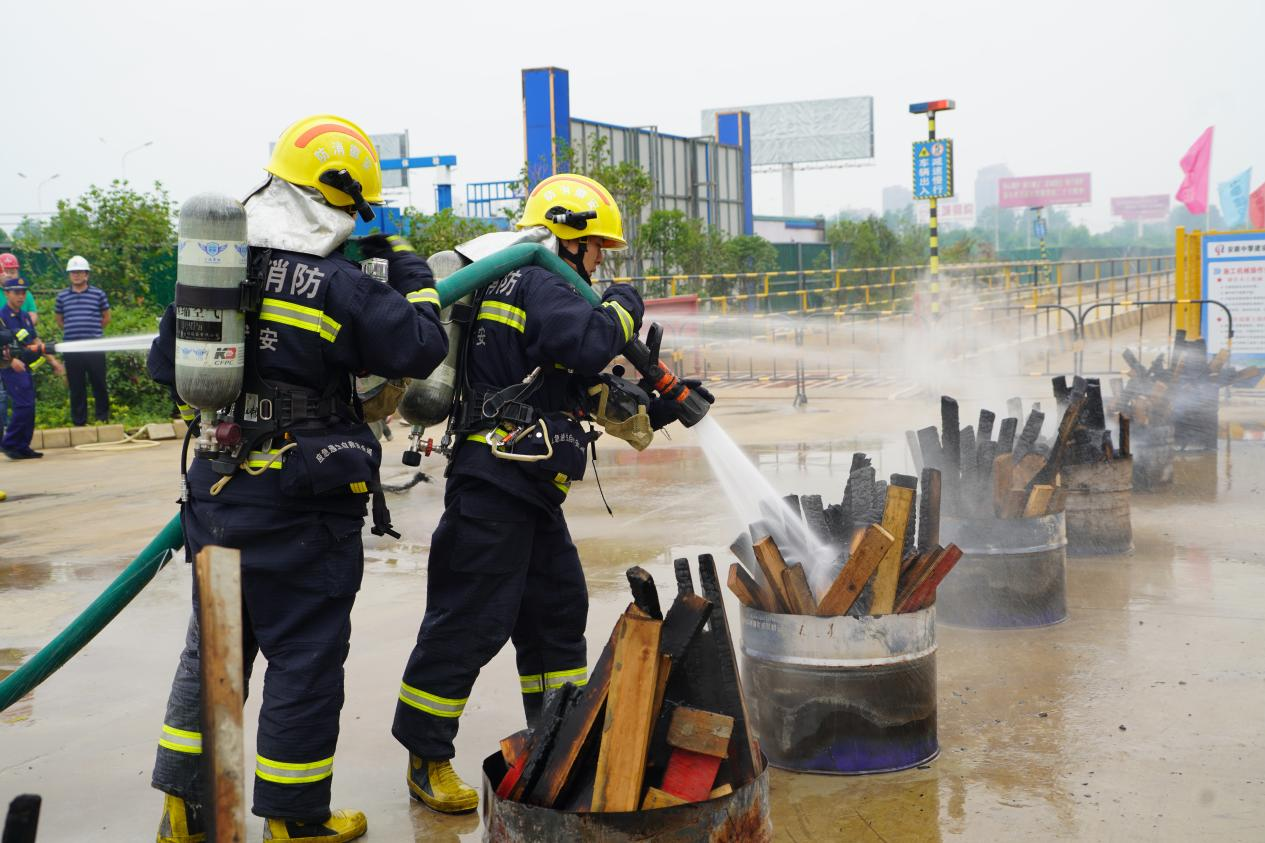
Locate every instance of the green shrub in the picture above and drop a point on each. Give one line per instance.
(134, 398)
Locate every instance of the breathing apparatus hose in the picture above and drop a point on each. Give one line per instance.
(94, 618)
(157, 553)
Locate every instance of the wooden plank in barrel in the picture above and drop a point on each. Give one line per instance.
(749, 592)
(745, 760)
(895, 518)
(772, 564)
(856, 572)
(621, 762)
(929, 510)
(795, 581)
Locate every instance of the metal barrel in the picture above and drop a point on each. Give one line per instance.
(1099, 497)
(1152, 447)
(844, 695)
(1012, 574)
(1195, 416)
(740, 816)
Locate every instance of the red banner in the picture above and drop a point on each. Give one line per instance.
(1256, 207)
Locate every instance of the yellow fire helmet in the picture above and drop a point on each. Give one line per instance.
(332, 155)
(574, 206)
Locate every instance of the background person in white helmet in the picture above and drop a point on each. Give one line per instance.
(82, 312)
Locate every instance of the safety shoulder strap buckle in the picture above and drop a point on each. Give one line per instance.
(461, 313)
(517, 413)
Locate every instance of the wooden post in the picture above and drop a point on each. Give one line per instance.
(219, 573)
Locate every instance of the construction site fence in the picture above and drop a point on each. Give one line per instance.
(1032, 326)
(894, 288)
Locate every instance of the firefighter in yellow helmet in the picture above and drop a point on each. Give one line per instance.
(297, 510)
(502, 564)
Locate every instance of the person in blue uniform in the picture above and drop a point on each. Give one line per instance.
(295, 504)
(502, 564)
(16, 375)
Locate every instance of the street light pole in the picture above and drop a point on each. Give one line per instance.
(123, 159)
(39, 191)
(930, 109)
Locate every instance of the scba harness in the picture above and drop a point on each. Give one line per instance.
(316, 439)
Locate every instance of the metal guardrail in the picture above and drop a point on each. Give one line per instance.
(848, 288)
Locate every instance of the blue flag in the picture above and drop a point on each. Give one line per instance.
(1234, 195)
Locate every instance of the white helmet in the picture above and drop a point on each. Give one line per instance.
(77, 264)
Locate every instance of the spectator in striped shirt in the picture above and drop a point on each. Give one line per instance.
(83, 311)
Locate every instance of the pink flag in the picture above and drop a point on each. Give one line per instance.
(1256, 207)
(1195, 164)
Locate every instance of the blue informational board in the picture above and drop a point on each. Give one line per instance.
(1038, 228)
(1234, 274)
(933, 169)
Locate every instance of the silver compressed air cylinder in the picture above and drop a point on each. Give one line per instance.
(210, 334)
(428, 401)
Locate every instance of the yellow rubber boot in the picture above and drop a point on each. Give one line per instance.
(340, 827)
(437, 784)
(181, 822)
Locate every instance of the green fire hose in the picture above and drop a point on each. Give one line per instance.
(150, 561)
(94, 618)
(478, 274)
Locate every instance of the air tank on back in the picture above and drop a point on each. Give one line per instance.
(210, 330)
(428, 401)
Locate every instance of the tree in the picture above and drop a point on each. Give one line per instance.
(431, 233)
(751, 253)
(630, 186)
(124, 234)
(869, 242)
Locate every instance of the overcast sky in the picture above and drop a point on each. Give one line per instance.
(1117, 88)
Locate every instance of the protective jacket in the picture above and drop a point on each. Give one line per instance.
(298, 527)
(533, 318)
(16, 326)
(502, 563)
(321, 322)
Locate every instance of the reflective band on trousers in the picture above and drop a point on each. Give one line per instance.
(286, 772)
(426, 296)
(298, 316)
(536, 683)
(430, 703)
(186, 412)
(506, 314)
(625, 318)
(558, 678)
(180, 740)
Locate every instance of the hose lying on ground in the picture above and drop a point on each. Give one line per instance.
(94, 618)
(131, 442)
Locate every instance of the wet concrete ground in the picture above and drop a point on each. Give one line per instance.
(1140, 718)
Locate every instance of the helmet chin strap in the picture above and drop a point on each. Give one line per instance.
(576, 260)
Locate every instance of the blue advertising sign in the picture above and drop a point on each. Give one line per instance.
(933, 169)
(1038, 228)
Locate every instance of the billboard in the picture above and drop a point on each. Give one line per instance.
(394, 145)
(1040, 191)
(1234, 274)
(1154, 207)
(948, 214)
(810, 130)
